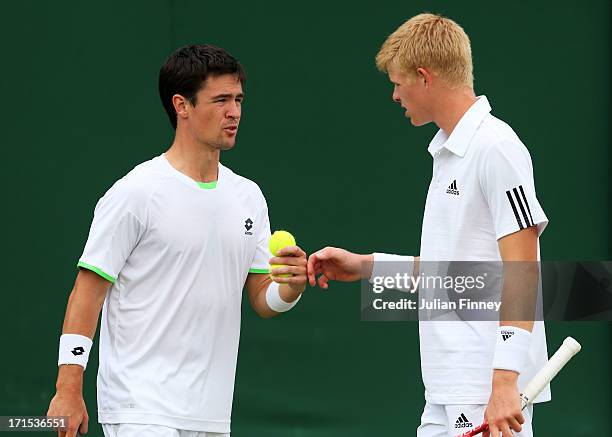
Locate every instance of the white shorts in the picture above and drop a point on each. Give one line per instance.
(453, 420)
(137, 430)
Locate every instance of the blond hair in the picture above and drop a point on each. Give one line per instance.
(429, 41)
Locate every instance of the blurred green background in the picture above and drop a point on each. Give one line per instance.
(337, 161)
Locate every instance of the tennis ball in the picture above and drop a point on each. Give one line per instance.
(278, 240)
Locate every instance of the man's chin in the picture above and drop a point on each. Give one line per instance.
(227, 146)
(413, 120)
(416, 122)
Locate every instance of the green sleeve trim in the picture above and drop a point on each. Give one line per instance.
(259, 271)
(208, 185)
(97, 270)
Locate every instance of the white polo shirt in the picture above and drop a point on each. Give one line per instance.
(178, 253)
(482, 189)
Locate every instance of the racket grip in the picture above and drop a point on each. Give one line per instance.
(479, 429)
(568, 349)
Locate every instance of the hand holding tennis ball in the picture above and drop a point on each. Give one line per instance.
(279, 240)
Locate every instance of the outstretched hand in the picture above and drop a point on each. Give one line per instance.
(335, 264)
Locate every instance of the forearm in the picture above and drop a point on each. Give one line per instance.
(70, 379)
(287, 294)
(519, 253)
(82, 313)
(257, 287)
(519, 294)
(517, 315)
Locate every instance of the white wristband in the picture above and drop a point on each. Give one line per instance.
(74, 349)
(389, 265)
(275, 302)
(511, 348)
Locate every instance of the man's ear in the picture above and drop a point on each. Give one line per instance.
(425, 75)
(180, 104)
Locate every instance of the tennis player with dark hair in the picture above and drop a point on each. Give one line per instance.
(171, 246)
(481, 206)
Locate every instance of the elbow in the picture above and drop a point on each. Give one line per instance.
(266, 314)
(262, 310)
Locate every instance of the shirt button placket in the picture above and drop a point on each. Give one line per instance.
(436, 169)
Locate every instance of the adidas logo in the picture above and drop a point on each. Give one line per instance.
(506, 334)
(452, 188)
(463, 422)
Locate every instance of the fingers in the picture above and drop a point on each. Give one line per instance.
(514, 424)
(61, 432)
(324, 254)
(288, 270)
(290, 255)
(312, 273)
(314, 263)
(505, 430)
(323, 282)
(312, 268)
(500, 427)
(289, 260)
(507, 424)
(493, 430)
(84, 426)
(73, 426)
(293, 251)
(291, 280)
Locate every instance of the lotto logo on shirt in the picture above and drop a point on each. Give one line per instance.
(248, 225)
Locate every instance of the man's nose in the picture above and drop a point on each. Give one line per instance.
(233, 110)
(395, 96)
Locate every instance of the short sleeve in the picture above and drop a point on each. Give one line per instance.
(117, 226)
(262, 252)
(506, 178)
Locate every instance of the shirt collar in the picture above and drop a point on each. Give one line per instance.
(460, 137)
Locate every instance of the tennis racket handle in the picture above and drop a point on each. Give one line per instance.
(568, 349)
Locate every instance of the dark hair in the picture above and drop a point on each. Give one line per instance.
(187, 68)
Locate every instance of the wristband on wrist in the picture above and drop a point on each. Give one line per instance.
(275, 302)
(74, 349)
(511, 348)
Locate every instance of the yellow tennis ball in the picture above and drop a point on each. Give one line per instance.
(278, 240)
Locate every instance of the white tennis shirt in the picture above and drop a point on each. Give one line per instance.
(482, 189)
(178, 253)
